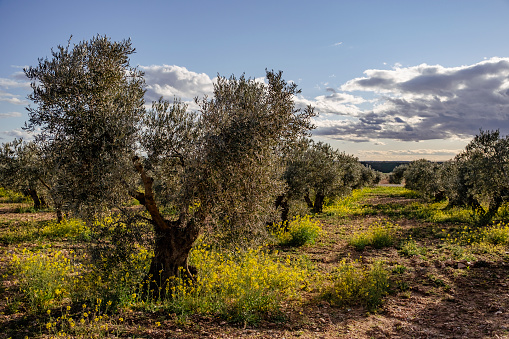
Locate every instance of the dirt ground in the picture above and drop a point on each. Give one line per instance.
(436, 297)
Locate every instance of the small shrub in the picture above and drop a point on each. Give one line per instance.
(299, 232)
(378, 235)
(496, 235)
(119, 282)
(399, 269)
(360, 240)
(353, 285)
(45, 277)
(410, 248)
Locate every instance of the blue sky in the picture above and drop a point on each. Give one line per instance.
(392, 80)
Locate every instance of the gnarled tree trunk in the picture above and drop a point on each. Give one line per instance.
(171, 251)
(35, 197)
(173, 239)
(282, 203)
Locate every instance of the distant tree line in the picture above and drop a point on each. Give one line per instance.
(384, 166)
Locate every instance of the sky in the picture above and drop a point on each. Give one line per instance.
(390, 80)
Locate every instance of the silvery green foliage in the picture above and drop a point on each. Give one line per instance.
(482, 170)
(397, 174)
(477, 177)
(88, 105)
(423, 176)
(218, 167)
(223, 162)
(22, 169)
(316, 170)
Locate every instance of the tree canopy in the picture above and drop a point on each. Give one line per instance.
(216, 168)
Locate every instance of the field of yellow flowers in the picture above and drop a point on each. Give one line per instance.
(380, 263)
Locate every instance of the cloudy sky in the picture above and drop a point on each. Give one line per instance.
(391, 80)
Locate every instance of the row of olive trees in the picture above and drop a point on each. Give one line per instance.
(316, 171)
(477, 177)
(219, 170)
(21, 171)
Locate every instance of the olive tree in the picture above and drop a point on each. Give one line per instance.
(21, 170)
(397, 174)
(482, 173)
(216, 169)
(318, 171)
(424, 176)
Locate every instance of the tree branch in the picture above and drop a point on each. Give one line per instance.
(148, 197)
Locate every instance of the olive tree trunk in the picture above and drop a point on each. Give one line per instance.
(173, 239)
(171, 252)
(318, 205)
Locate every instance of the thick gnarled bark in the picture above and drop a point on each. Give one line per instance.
(173, 239)
(171, 251)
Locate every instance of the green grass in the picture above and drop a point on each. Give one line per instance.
(352, 285)
(298, 232)
(8, 196)
(19, 232)
(378, 235)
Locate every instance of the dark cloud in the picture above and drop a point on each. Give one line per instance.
(425, 102)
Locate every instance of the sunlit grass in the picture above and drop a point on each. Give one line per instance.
(354, 204)
(352, 284)
(18, 232)
(8, 196)
(492, 239)
(347, 206)
(297, 232)
(378, 235)
(243, 287)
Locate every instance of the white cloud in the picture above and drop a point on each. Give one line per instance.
(175, 81)
(11, 98)
(421, 103)
(10, 115)
(18, 82)
(13, 83)
(412, 152)
(335, 103)
(19, 133)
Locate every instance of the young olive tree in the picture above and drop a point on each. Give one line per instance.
(88, 105)
(397, 174)
(217, 168)
(26, 168)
